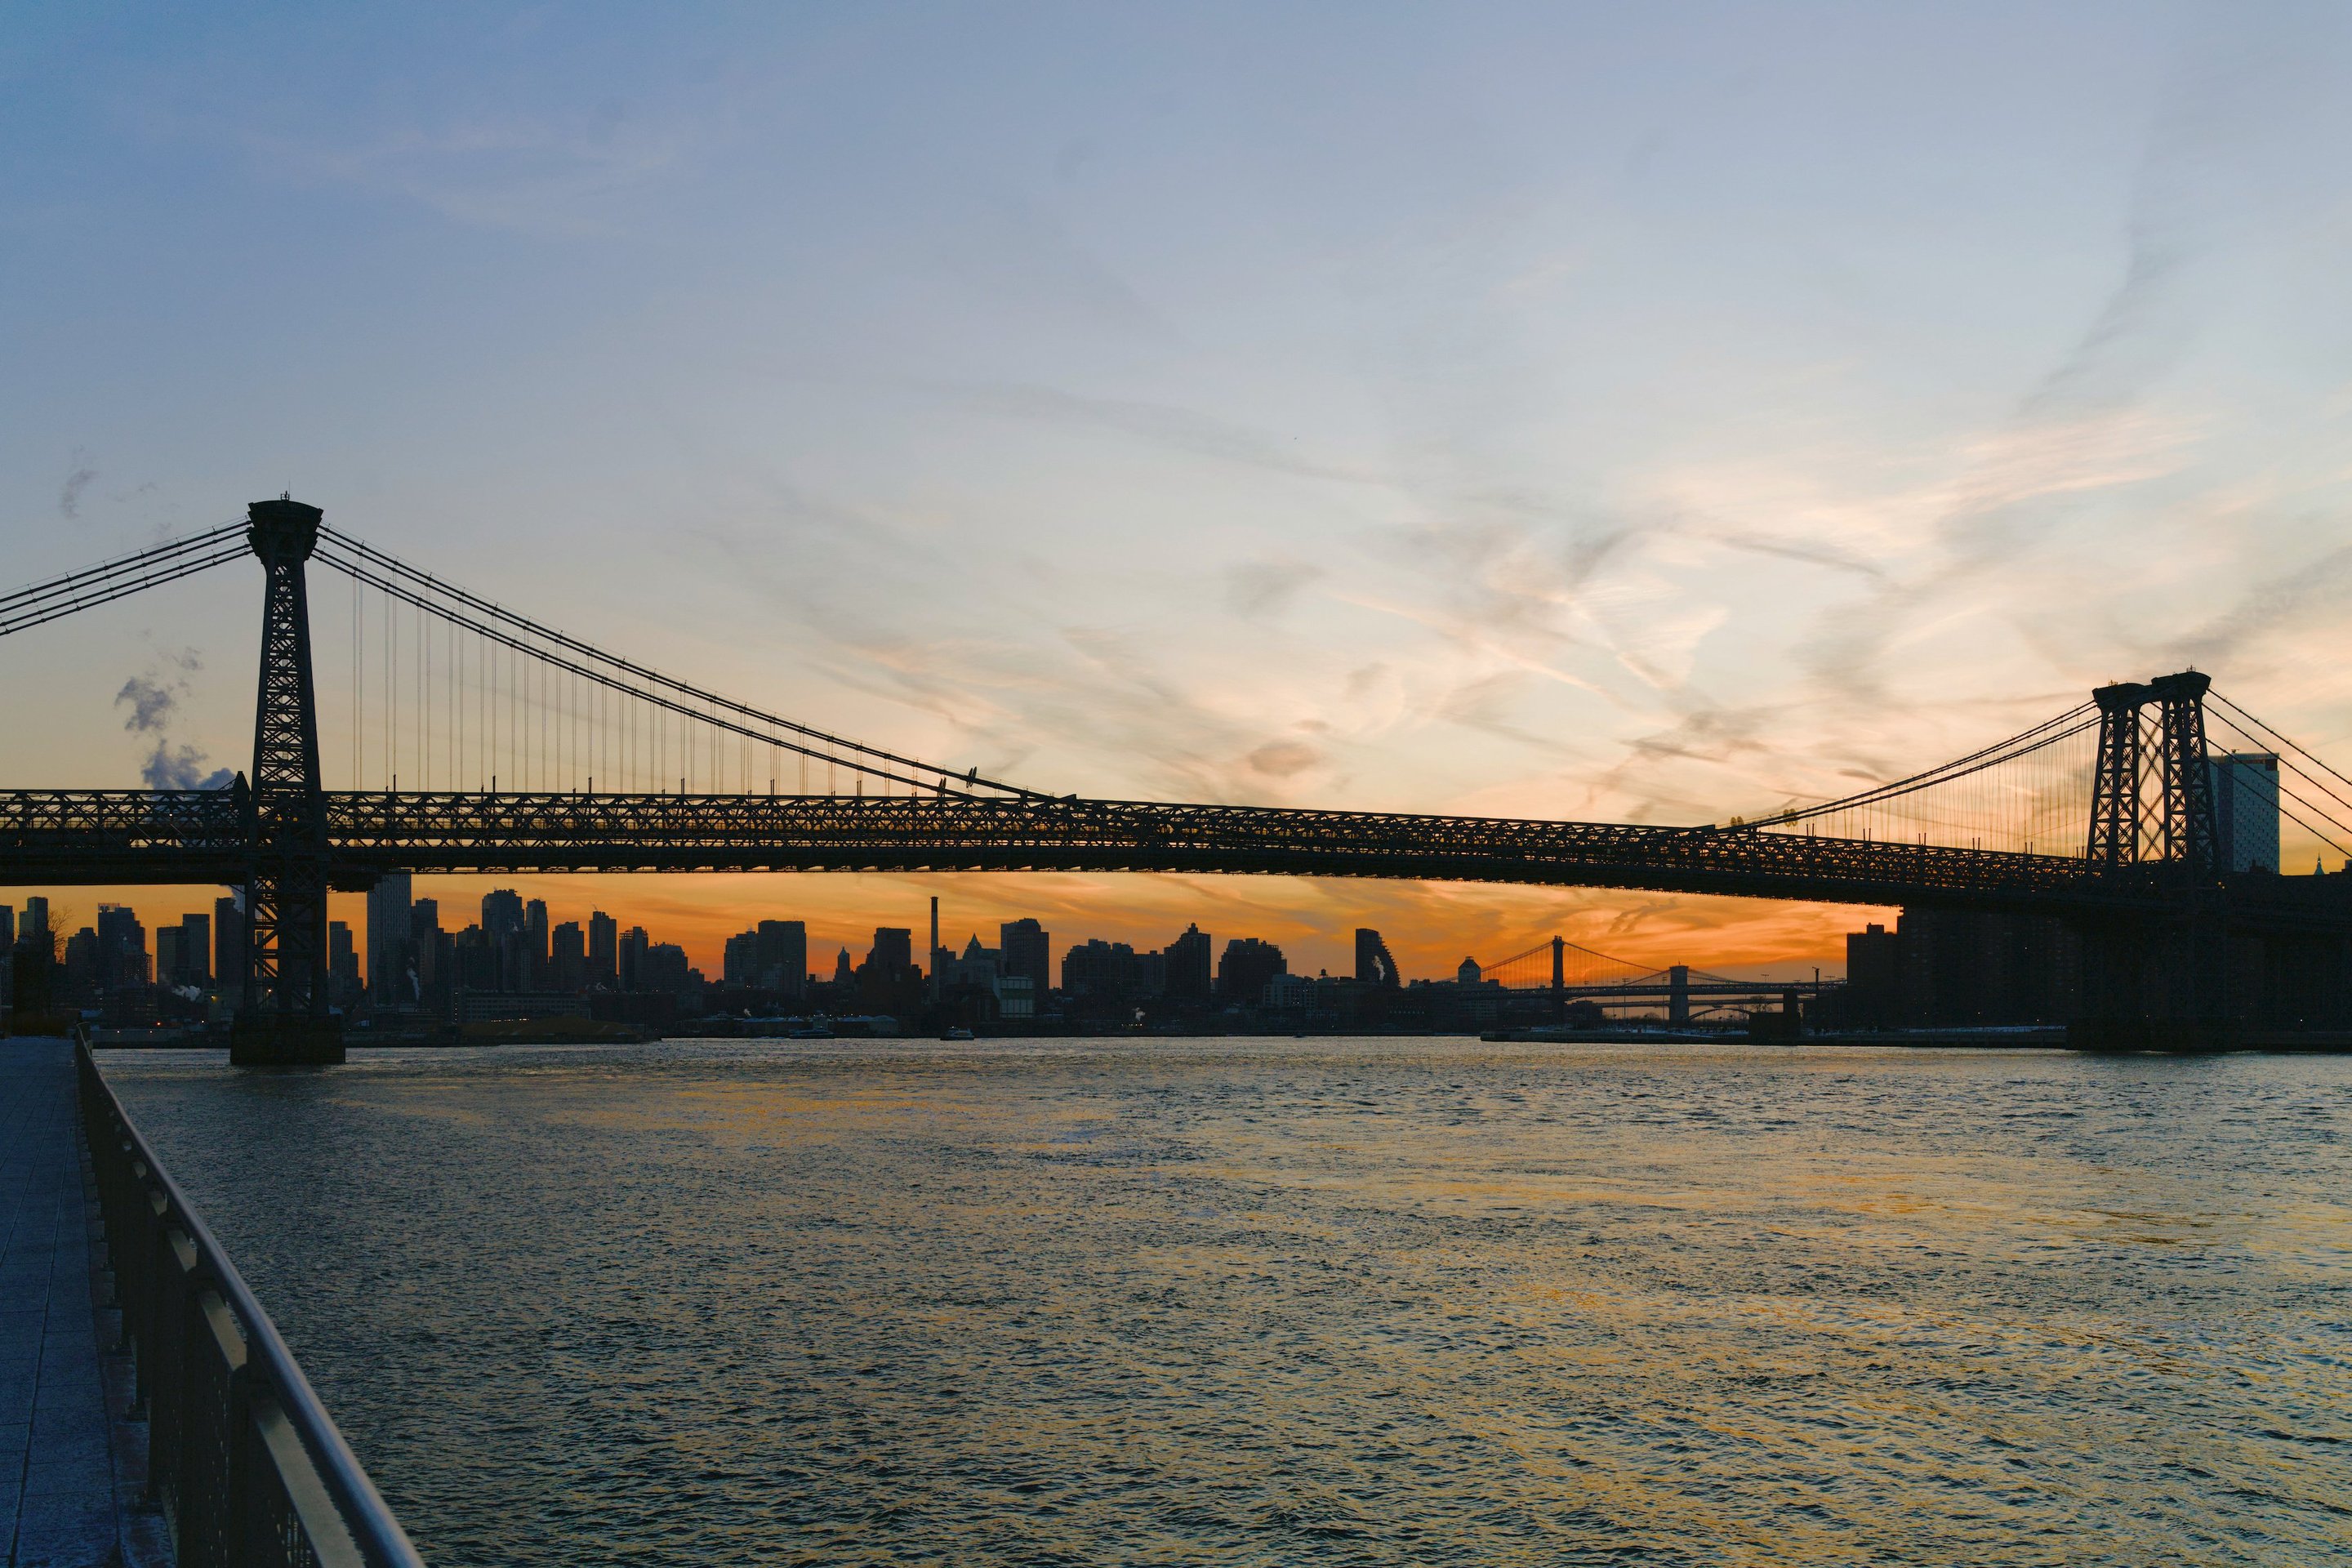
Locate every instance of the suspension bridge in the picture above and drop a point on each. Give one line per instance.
(1559, 971)
(497, 743)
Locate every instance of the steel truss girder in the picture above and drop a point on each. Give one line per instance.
(193, 836)
(134, 837)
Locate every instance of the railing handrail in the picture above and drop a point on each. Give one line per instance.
(374, 1527)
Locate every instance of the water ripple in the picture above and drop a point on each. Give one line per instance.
(1305, 1301)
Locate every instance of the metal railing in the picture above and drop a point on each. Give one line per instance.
(242, 1458)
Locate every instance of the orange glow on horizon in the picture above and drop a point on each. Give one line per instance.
(1430, 927)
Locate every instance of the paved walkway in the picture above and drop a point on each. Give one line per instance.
(57, 1471)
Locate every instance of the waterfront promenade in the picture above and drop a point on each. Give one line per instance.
(58, 1485)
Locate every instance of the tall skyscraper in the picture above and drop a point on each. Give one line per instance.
(388, 938)
(501, 913)
(228, 946)
(121, 948)
(893, 953)
(167, 955)
(196, 951)
(2246, 808)
(603, 951)
(37, 917)
(634, 944)
(780, 957)
(567, 958)
(735, 966)
(1028, 951)
(1373, 963)
(1189, 961)
(534, 937)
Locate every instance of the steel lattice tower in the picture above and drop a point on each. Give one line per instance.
(284, 1018)
(2190, 834)
(2115, 783)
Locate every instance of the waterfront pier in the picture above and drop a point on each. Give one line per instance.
(63, 1491)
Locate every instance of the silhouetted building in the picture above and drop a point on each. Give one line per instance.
(501, 913)
(342, 966)
(1028, 951)
(844, 973)
(196, 967)
(1943, 968)
(228, 946)
(1873, 977)
(736, 960)
(976, 969)
(664, 968)
(603, 951)
(1246, 967)
(1467, 973)
(81, 966)
(122, 948)
(567, 958)
(780, 957)
(167, 955)
(389, 939)
(476, 958)
(31, 966)
(1189, 961)
(532, 974)
(889, 980)
(434, 953)
(893, 951)
(1113, 972)
(1373, 963)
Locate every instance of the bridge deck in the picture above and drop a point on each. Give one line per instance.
(60, 1493)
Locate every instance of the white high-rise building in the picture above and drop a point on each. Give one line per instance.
(2246, 808)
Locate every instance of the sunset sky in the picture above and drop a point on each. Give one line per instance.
(1603, 411)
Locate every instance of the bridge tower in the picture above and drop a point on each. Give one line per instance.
(2115, 783)
(284, 1016)
(2162, 981)
(2189, 836)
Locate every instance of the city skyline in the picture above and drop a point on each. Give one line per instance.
(159, 911)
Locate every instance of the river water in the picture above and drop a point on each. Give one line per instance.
(1292, 1301)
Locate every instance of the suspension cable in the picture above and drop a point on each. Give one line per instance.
(660, 701)
(416, 582)
(2049, 732)
(42, 603)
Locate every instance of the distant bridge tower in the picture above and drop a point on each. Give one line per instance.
(2190, 834)
(2152, 816)
(2115, 783)
(284, 1016)
(2174, 822)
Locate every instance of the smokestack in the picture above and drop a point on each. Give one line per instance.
(935, 949)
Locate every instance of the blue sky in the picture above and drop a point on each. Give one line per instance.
(1613, 412)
